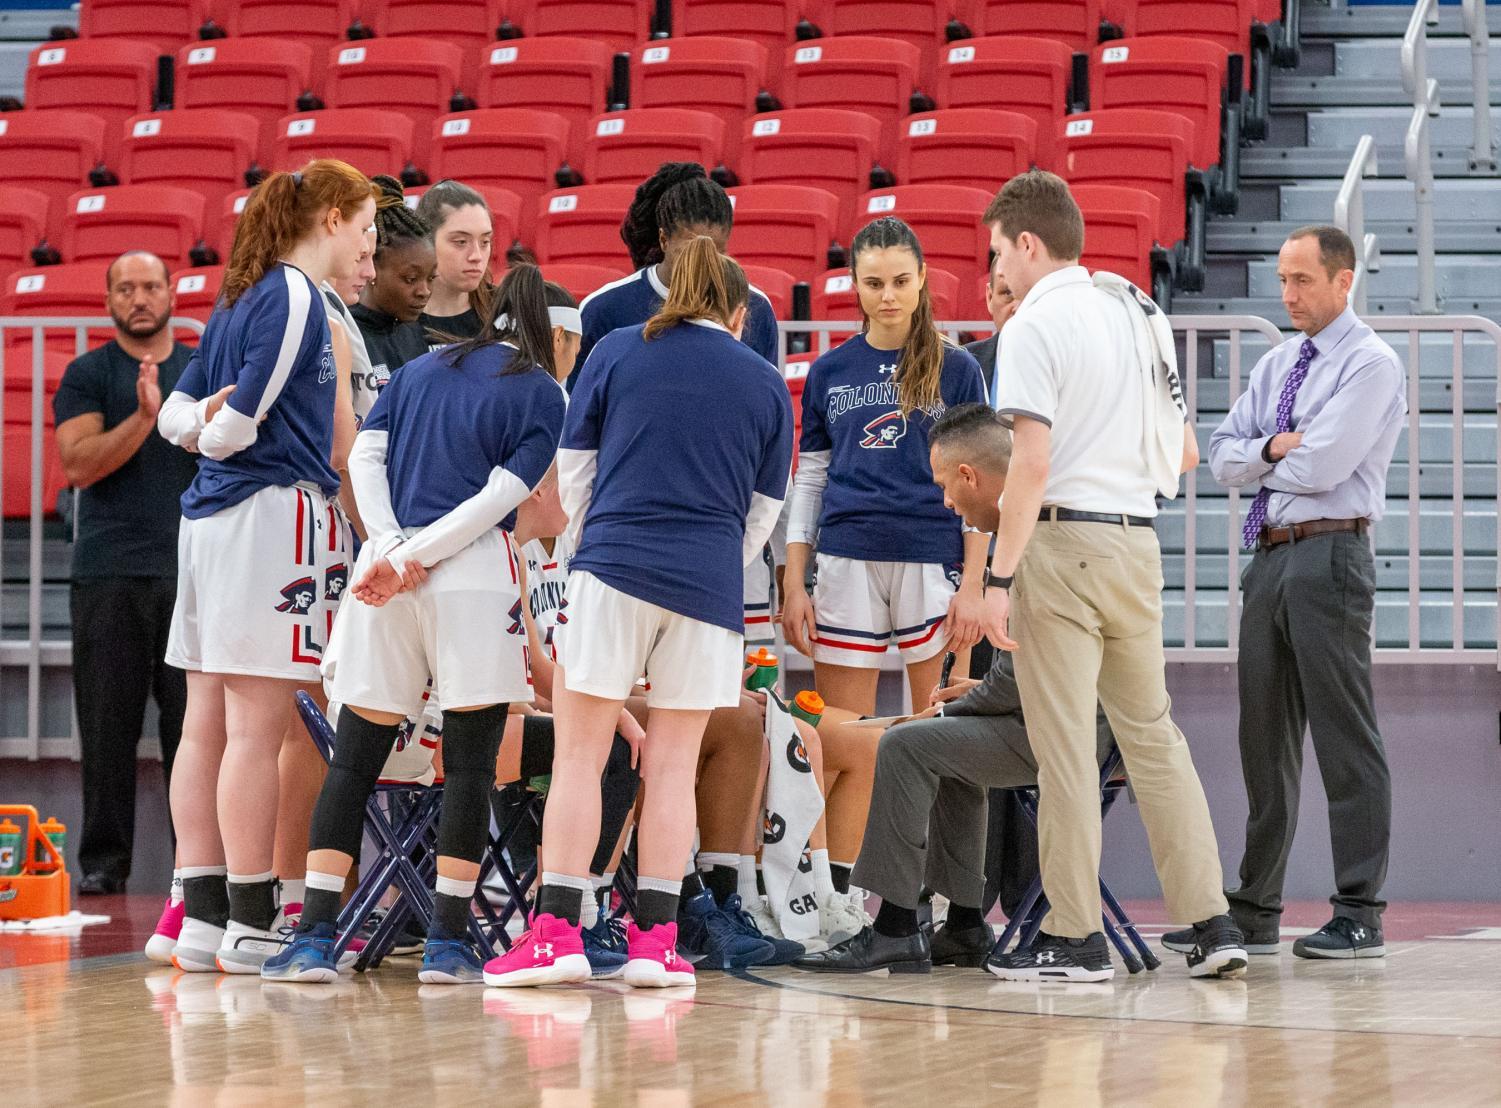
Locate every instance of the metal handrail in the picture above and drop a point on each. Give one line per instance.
(1417, 152)
(1415, 45)
(1349, 216)
(1482, 157)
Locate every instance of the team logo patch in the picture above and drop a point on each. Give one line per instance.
(516, 627)
(335, 580)
(955, 574)
(326, 369)
(884, 432)
(404, 734)
(772, 829)
(298, 597)
(797, 755)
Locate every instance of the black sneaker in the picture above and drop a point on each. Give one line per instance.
(1050, 958)
(1342, 937)
(1218, 950)
(1252, 942)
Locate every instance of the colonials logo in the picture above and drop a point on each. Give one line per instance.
(884, 432)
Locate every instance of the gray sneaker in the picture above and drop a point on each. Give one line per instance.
(1342, 938)
(1255, 942)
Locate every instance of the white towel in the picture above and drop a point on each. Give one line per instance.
(1164, 411)
(793, 805)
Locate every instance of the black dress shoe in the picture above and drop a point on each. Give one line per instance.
(869, 951)
(962, 948)
(100, 884)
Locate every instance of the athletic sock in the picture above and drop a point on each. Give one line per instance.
(721, 873)
(175, 896)
(895, 921)
(840, 871)
(293, 890)
(320, 900)
(562, 895)
(961, 918)
(657, 901)
(746, 879)
(452, 901)
(204, 894)
(589, 911)
(823, 878)
(604, 886)
(691, 885)
(252, 899)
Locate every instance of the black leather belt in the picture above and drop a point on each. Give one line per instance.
(1068, 515)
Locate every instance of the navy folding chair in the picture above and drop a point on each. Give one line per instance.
(497, 860)
(1027, 920)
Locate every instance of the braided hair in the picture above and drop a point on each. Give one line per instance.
(395, 223)
(677, 196)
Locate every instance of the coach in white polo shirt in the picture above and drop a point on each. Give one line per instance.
(1077, 572)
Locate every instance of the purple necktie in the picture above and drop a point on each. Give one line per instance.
(1256, 516)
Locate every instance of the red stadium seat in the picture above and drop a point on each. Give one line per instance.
(113, 79)
(505, 220)
(1034, 73)
(795, 373)
(17, 492)
(719, 75)
(1075, 23)
(316, 24)
(469, 24)
(580, 278)
(629, 146)
(776, 284)
(871, 75)
(166, 24)
(569, 76)
(1186, 76)
(923, 23)
(518, 149)
(788, 227)
(101, 224)
(204, 150)
(408, 76)
(228, 215)
(259, 76)
(826, 148)
(52, 152)
(1120, 227)
(1143, 149)
(834, 295)
(946, 219)
(772, 24)
(618, 24)
(23, 224)
(196, 290)
(966, 146)
(372, 140)
(1227, 22)
(583, 225)
(58, 290)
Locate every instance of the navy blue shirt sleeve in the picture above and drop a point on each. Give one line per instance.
(761, 327)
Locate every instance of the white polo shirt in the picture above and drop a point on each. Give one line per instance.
(1069, 360)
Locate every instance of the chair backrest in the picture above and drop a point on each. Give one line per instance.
(197, 290)
(787, 227)
(946, 219)
(414, 77)
(102, 224)
(505, 220)
(166, 24)
(1120, 226)
(518, 149)
(827, 148)
(834, 295)
(1034, 72)
(569, 76)
(1167, 73)
(469, 24)
(980, 147)
(629, 146)
(258, 76)
(1141, 149)
(583, 225)
(871, 75)
(707, 74)
(52, 151)
(372, 140)
(922, 23)
(1227, 22)
(112, 78)
(227, 215)
(316, 24)
(772, 24)
(203, 149)
(581, 278)
(776, 284)
(1074, 23)
(57, 290)
(618, 24)
(23, 224)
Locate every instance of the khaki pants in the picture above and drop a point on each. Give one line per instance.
(1087, 615)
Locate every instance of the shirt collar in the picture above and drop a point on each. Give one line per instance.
(1059, 278)
(712, 324)
(1334, 331)
(656, 282)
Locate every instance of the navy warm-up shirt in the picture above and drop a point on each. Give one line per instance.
(686, 428)
(450, 425)
(881, 504)
(273, 345)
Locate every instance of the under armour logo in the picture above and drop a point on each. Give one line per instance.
(670, 956)
(1359, 934)
(542, 950)
(1047, 956)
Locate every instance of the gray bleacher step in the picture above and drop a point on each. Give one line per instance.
(1270, 308)
(1341, 128)
(15, 606)
(1367, 21)
(1434, 478)
(1381, 60)
(1325, 92)
(1476, 199)
(1304, 163)
(1434, 574)
(1435, 353)
(57, 558)
(1458, 276)
(1435, 528)
(1435, 436)
(1267, 237)
(1435, 619)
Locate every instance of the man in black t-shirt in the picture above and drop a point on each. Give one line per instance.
(125, 558)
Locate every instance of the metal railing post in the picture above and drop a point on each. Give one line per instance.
(1416, 149)
(1482, 156)
(1349, 216)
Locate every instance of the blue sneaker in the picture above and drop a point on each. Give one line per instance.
(604, 946)
(307, 957)
(711, 938)
(783, 951)
(450, 962)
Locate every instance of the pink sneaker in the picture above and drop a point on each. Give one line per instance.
(551, 953)
(654, 960)
(159, 947)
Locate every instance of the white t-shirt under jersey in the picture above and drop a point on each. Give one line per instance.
(1069, 360)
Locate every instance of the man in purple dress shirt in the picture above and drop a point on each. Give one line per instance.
(1315, 430)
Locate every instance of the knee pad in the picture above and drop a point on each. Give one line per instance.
(360, 750)
(470, 743)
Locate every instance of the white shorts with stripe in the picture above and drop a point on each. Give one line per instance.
(453, 629)
(258, 585)
(612, 639)
(862, 608)
(760, 586)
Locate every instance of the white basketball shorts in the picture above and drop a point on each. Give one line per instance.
(861, 608)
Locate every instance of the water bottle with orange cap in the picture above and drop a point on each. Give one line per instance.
(763, 673)
(808, 706)
(11, 853)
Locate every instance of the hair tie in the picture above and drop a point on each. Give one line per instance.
(297, 180)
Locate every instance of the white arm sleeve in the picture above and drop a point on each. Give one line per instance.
(806, 506)
(760, 522)
(227, 433)
(181, 420)
(372, 493)
(576, 470)
(464, 523)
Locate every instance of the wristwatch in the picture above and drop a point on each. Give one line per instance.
(994, 582)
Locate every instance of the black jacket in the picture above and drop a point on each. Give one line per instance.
(391, 344)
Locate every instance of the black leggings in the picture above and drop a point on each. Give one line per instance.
(618, 784)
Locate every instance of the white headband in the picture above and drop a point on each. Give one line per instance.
(569, 319)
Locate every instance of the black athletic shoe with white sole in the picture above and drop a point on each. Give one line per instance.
(1252, 942)
(1051, 958)
(1218, 950)
(1342, 938)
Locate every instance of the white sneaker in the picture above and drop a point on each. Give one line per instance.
(766, 922)
(246, 948)
(842, 917)
(197, 943)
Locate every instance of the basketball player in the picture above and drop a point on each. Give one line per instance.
(393, 300)
(253, 549)
(463, 237)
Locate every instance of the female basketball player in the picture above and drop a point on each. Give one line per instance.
(678, 439)
(893, 564)
(392, 302)
(254, 549)
(456, 441)
(463, 237)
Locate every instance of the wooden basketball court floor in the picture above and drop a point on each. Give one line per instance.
(85, 1020)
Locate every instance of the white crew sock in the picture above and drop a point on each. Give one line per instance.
(823, 878)
(747, 883)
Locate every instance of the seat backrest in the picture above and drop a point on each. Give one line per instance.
(787, 227)
(469, 24)
(196, 290)
(166, 24)
(581, 278)
(1143, 149)
(618, 24)
(1034, 72)
(707, 74)
(1168, 73)
(228, 215)
(57, 290)
(112, 78)
(369, 139)
(776, 284)
(871, 75)
(772, 24)
(629, 146)
(923, 23)
(23, 223)
(52, 151)
(946, 219)
(570, 76)
(315, 23)
(1227, 22)
(1120, 225)
(834, 295)
(1075, 23)
(981, 147)
(102, 224)
(262, 77)
(414, 76)
(583, 225)
(827, 148)
(518, 149)
(505, 220)
(203, 149)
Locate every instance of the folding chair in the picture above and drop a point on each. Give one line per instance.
(1027, 921)
(497, 861)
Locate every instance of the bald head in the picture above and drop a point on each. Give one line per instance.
(139, 294)
(144, 259)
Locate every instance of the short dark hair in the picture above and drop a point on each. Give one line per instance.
(1039, 202)
(109, 274)
(974, 433)
(1336, 250)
